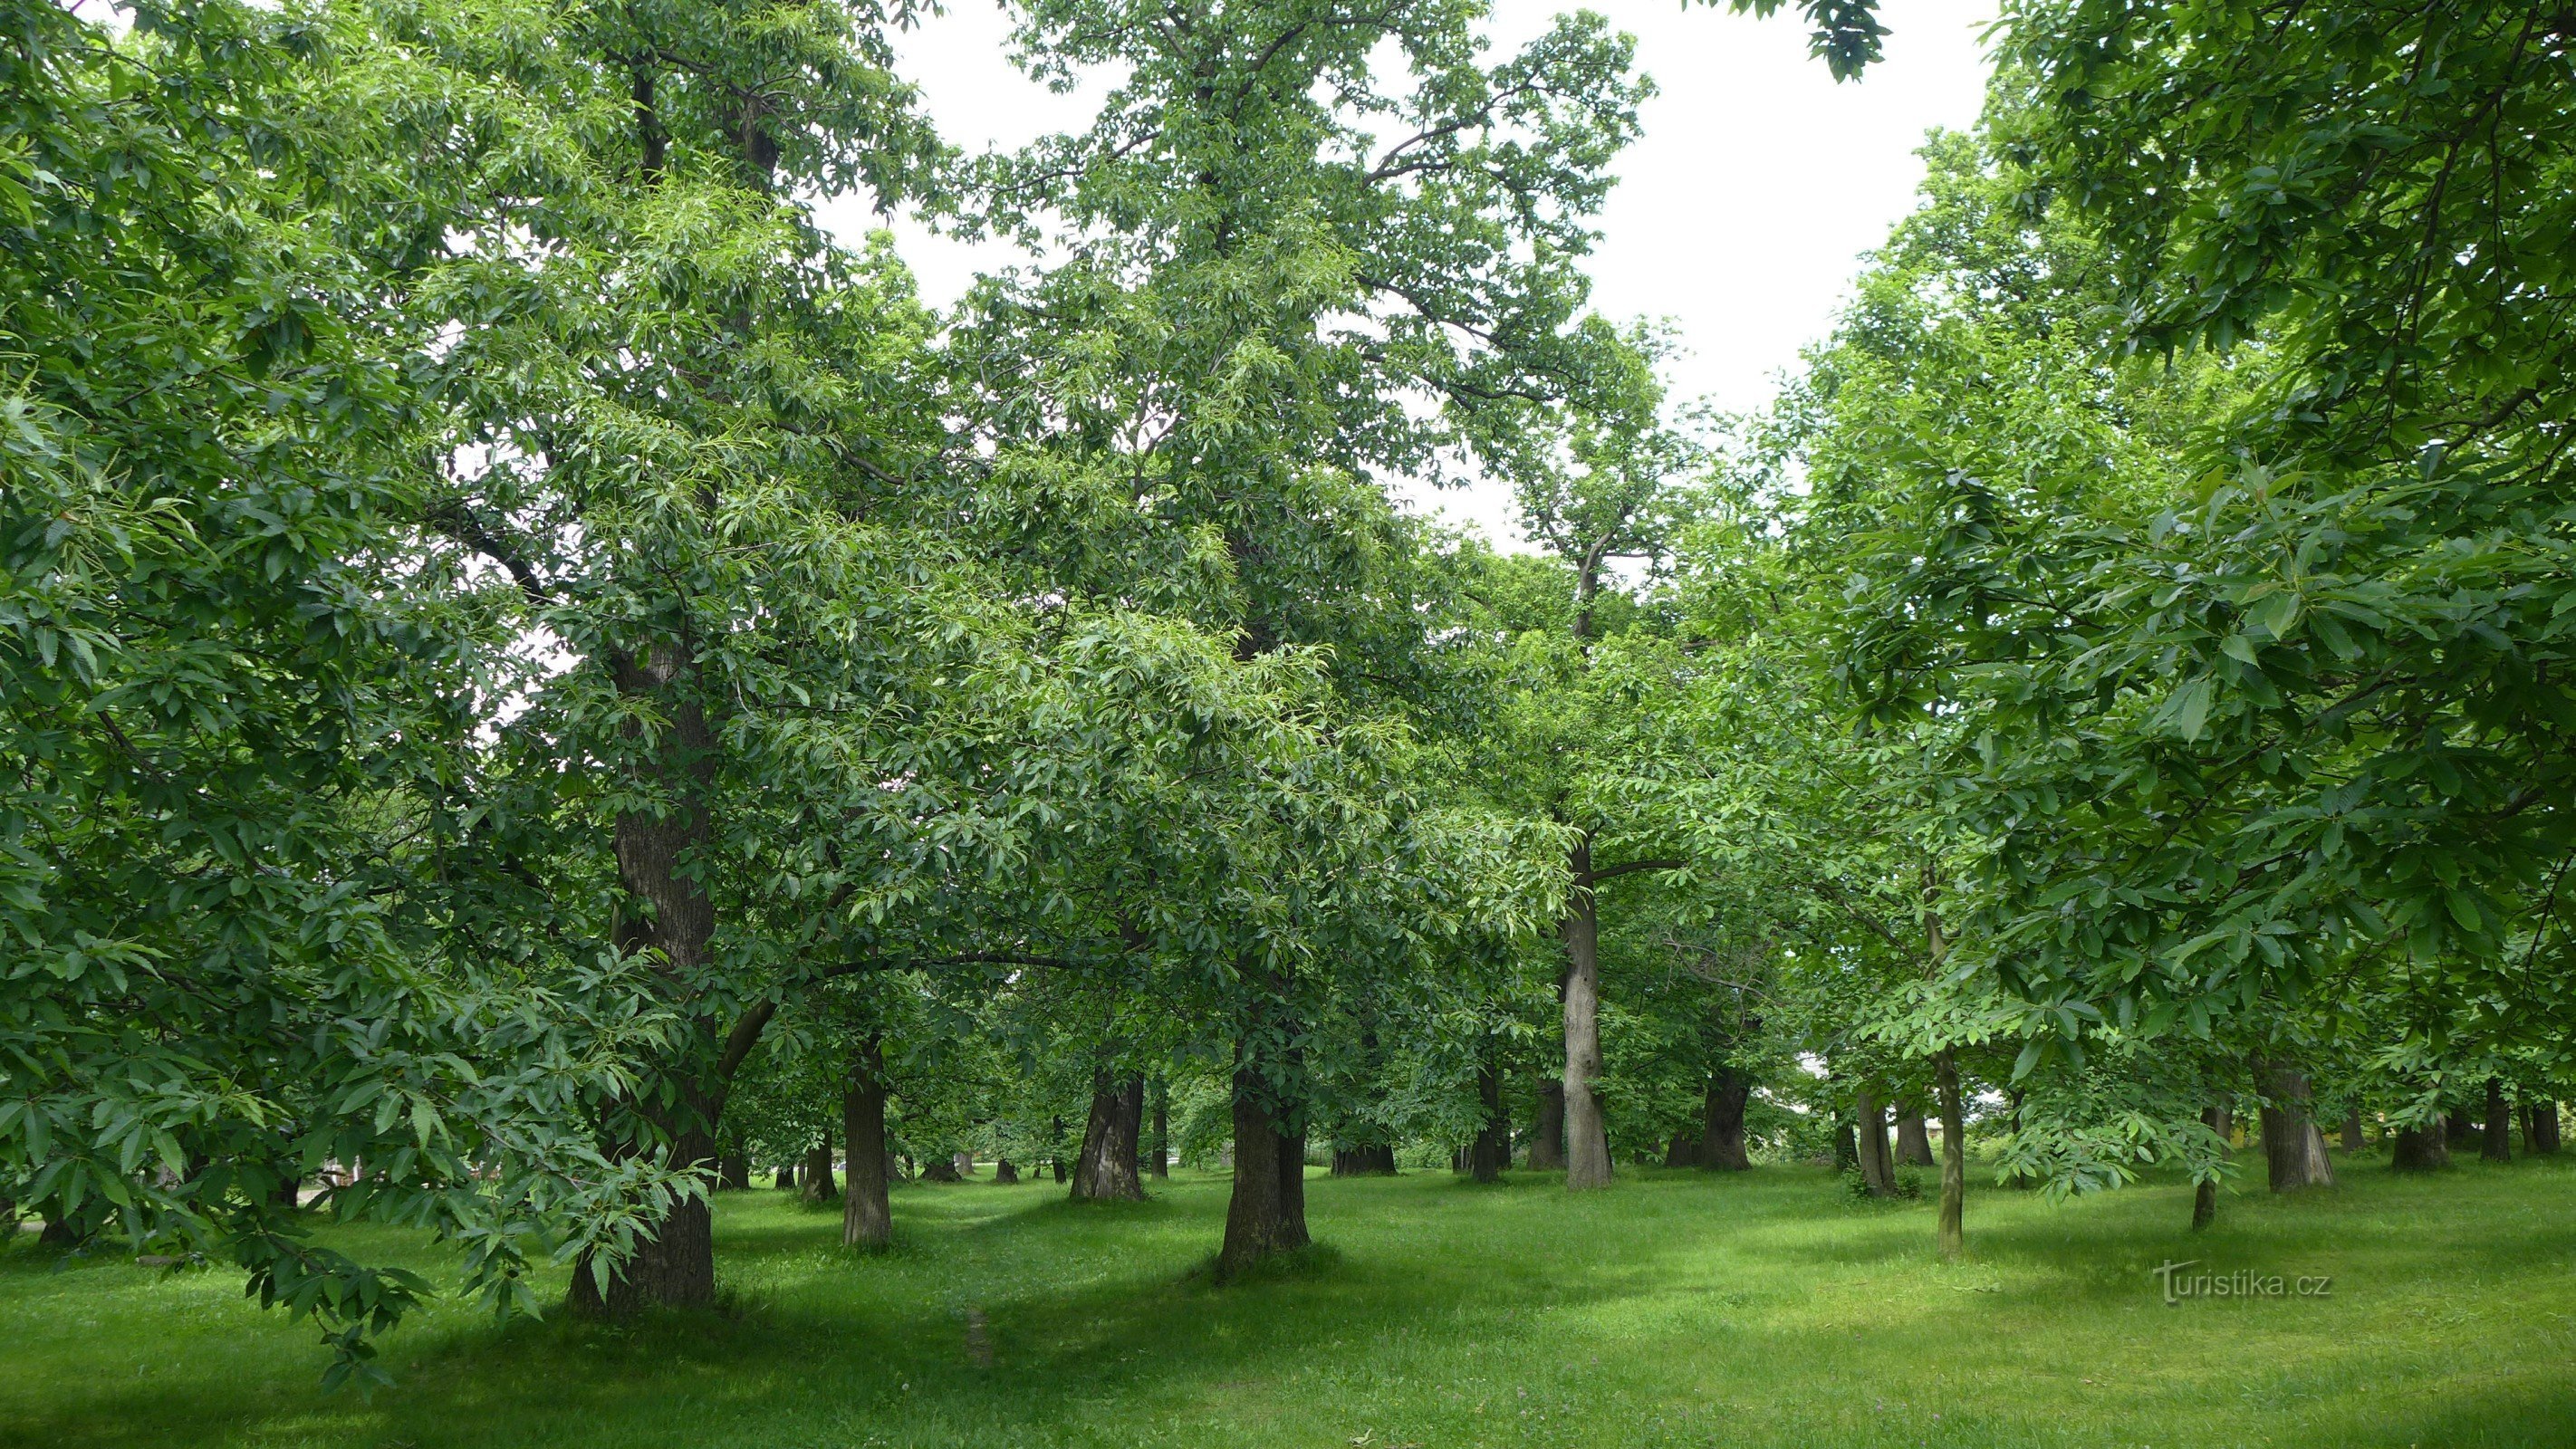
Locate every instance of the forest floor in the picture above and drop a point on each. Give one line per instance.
(1676, 1309)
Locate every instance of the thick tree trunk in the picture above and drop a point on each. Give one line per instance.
(2421, 1148)
(1106, 1172)
(1587, 1142)
(940, 1169)
(1721, 1133)
(1877, 1169)
(2498, 1146)
(2544, 1137)
(1266, 1214)
(964, 1162)
(669, 920)
(1913, 1139)
(786, 1177)
(867, 1214)
(816, 1179)
(1375, 1159)
(1683, 1150)
(1547, 1131)
(2294, 1151)
(733, 1172)
(675, 1268)
(1491, 1152)
(1158, 1158)
(1005, 1172)
(1954, 1157)
(2353, 1140)
(2204, 1196)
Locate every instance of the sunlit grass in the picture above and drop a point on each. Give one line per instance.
(1676, 1309)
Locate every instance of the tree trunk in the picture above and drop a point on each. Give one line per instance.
(2424, 1147)
(1005, 1172)
(1954, 1157)
(1266, 1213)
(1587, 1142)
(733, 1172)
(1683, 1151)
(940, 1169)
(2544, 1128)
(1491, 1151)
(669, 921)
(1368, 1160)
(1547, 1133)
(675, 1268)
(1721, 1133)
(867, 1214)
(2204, 1196)
(1106, 1171)
(2458, 1130)
(2353, 1141)
(1877, 1169)
(1913, 1139)
(786, 1178)
(2294, 1151)
(817, 1176)
(2498, 1146)
(1158, 1160)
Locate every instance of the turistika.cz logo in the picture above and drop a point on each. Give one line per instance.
(2239, 1283)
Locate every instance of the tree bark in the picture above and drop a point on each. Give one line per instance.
(1158, 1160)
(1547, 1132)
(1005, 1172)
(2545, 1127)
(786, 1177)
(1913, 1139)
(1721, 1133)
(1877, 1169)
(1587, 1142)
(1375, 1159)
(940, 1169)
(733, 1172)
(867, 1214)
(1106, 1171)
(2424, 1147)
(675, 1268)
(2458, 1130)
(1266, 1213)
(1491, 1152)
(2294, 1151)
(2204, 1196)
(2353, 1140)
(1954, 1157)
(2498, 1146)
(817, 1176)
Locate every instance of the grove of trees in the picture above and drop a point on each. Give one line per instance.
(538, 683)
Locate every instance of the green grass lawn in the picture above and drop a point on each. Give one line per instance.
(1676, 1309)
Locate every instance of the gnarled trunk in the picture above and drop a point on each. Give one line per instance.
(1266, 1214)
(1721, 1133)
(1106, 1171)
(867, 1214)
(1587, 1141)
(1547, 1130)
(1954, 1157)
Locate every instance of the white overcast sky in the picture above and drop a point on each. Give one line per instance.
(1740, 215)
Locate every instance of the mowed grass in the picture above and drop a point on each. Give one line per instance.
(1676, 1309)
